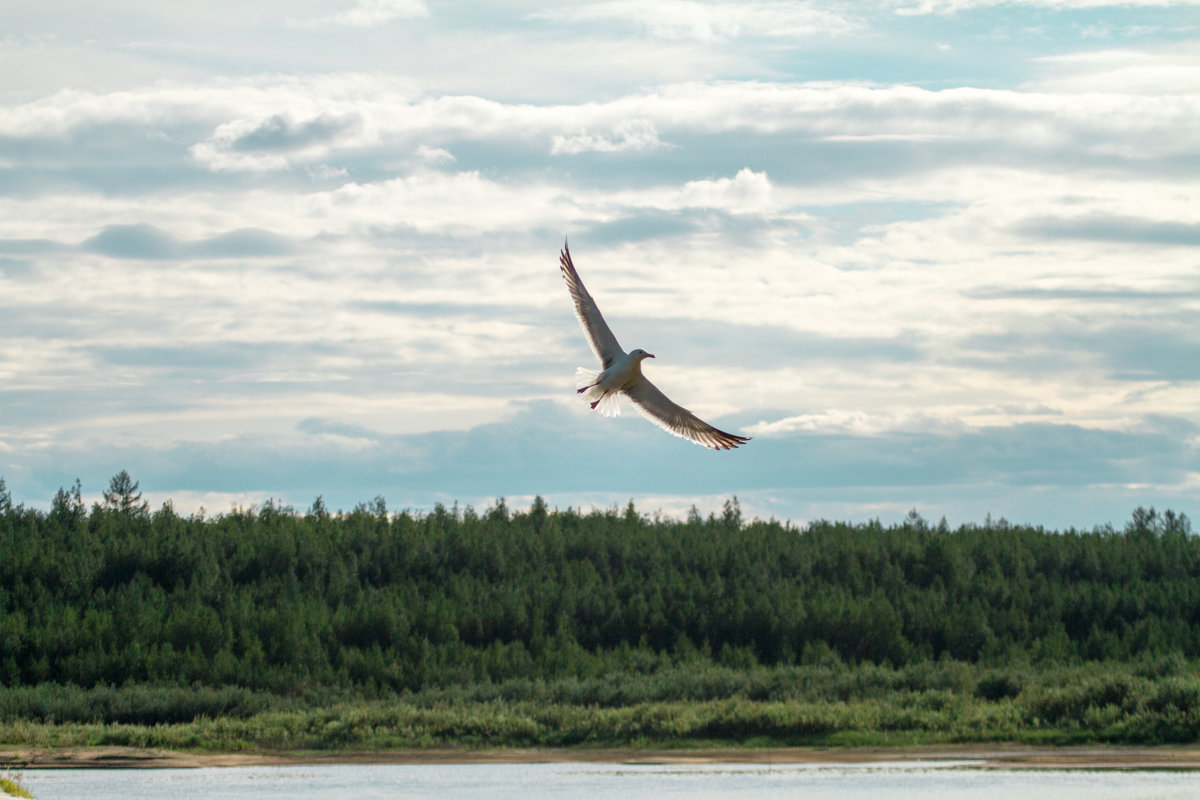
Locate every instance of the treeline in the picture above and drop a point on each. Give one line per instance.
(371, 603)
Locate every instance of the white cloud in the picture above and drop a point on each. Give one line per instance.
(270, 124)
(369, 13)
(275, 141)
(710, 21)
(1167, 73)
(910, 7)
(464, 202)
(210, 504)
(635, 134)
(322, 172)
(435, 156)
(849, 421)
(747, 191)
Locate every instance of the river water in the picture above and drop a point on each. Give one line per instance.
(910, 781)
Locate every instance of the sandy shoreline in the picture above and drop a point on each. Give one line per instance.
(997, 756)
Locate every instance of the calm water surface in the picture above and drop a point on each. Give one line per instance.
(921, 781)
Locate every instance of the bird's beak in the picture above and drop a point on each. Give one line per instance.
(649, 355)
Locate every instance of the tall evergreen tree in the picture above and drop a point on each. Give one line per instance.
(68, 505)
(123, 496)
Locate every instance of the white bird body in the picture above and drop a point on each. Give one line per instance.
(621, 373)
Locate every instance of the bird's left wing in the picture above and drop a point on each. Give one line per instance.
(599, 336)
(674, 418)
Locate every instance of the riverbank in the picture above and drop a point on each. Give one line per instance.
(984, 756)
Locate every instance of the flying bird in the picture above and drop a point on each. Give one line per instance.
(621, 374)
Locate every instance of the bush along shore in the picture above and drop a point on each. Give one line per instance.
(676, 705)
(269, 628)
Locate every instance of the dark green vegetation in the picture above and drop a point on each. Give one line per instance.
(271, 628)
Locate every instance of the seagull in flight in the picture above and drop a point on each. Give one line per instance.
(621, 373)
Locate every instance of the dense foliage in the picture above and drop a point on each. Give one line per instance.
(687, 704)
(371, 602)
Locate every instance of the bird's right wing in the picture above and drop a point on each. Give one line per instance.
(603, 343)
(674, 418)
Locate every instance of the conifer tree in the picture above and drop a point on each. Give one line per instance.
(123, 496)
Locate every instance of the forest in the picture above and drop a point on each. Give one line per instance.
(121, 616)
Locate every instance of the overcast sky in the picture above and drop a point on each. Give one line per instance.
(931, 254)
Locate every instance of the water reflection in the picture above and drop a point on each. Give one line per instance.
(940, 780)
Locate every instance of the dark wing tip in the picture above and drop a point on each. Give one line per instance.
(726, 441)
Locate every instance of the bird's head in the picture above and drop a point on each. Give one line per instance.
(641, 354)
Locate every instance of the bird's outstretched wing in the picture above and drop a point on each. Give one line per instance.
(674, 418)
(603, 343)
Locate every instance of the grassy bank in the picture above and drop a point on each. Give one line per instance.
(11, 786)
(944, 702)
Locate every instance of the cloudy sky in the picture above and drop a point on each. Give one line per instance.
(931, 254)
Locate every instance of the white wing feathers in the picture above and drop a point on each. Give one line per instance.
(603, 343)
(674, 418)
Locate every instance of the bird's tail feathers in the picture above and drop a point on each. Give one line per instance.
(587, 381)
(608, 405)
(585, 377)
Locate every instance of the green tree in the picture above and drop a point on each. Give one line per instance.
(67, 506)
(731, 513)
(123, 496)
